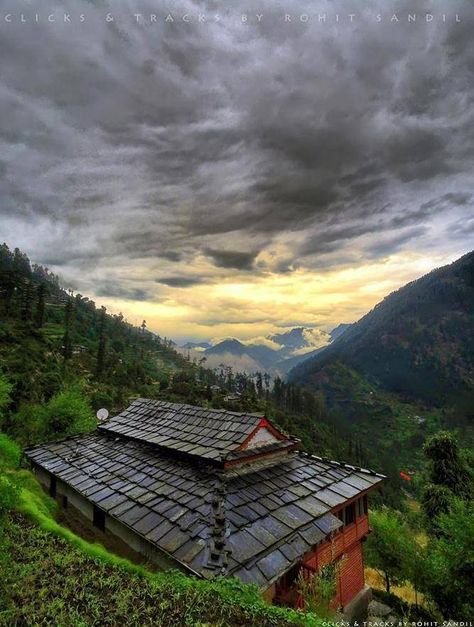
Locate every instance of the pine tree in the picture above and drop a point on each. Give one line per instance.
(99, 370)
(259, 384)
(447, 467)
(67, 347)
(40, 305)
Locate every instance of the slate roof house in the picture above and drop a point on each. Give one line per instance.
(215, 492)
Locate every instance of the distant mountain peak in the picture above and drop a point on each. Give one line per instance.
(199, 346)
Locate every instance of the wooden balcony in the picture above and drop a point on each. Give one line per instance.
(323, 554)
(341, 541)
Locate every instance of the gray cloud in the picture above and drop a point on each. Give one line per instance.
(231, 258)
(144, 145)
(179, 281)
(390, 245)
(115, 289)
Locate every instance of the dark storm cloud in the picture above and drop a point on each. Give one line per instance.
(116, 289)
(231, 258)
(179, 281)
(143, 145)
(390, 245)
(447, 200)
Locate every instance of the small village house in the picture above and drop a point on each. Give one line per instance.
(215, 492)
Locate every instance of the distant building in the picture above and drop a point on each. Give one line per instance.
(77, 349)
(230, 398)
(215, 492)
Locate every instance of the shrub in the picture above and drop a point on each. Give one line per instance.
(67, 413)
(10, 453)
(8, 497)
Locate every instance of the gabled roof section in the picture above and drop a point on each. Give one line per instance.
(255, 525)
(212, 434)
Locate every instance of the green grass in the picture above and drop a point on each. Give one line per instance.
(50, 580)
(50, 576)
(52, 330)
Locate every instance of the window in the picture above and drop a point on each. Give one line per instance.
(98, 519)
(349, 514)
(64, 501)
(361, 506)
(290, 577)
(52, 486)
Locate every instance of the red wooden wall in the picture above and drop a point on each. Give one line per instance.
(351, 575)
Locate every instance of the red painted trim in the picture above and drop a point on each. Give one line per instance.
(262, 424)
(243, 460)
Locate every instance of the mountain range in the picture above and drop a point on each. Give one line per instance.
(276, 354)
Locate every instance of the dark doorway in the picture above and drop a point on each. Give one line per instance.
(52, 486)
(99, 518)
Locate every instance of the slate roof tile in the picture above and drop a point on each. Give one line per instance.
(212, 432)
(272, 563)
(273, 514)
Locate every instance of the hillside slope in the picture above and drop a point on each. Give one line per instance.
(418, 342)
(51, 337)
(49, 581)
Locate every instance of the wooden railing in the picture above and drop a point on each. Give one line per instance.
(341, 541)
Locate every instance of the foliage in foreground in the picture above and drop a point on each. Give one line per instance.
(390, 548)
(450, 561)
(67, 413)
(443, 568)
(50, 581)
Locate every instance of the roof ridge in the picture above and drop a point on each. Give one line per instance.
(333, 462)
(217, 558)
(218, 410)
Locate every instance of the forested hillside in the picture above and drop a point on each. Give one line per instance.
(51, 337)
(405, 369)
(418, 342)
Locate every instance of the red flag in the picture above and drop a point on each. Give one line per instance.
(404, 476)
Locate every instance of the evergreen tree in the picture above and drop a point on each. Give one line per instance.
(101, 348)
(67, 346)
(26, 300)
(259, 384)
(446, 465)
(40, 305)
(436, 500)
(450, 562)
(390, 547)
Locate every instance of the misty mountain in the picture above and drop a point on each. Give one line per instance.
(418, 342)
(245, 357)
(198, 346)
(279, 353)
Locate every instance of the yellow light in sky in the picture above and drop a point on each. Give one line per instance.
(256, 305)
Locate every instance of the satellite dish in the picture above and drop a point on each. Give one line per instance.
(102, 414)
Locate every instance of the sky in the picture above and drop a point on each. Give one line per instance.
(229, 176)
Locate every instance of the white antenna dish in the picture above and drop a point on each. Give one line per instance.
(102, 414)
